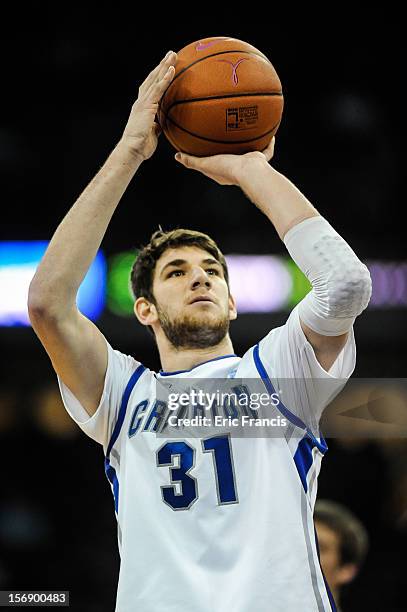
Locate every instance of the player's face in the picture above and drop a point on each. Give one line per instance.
(192, 297)
(329, 548)
(336, 572)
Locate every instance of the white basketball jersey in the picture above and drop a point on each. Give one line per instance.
(219, 523)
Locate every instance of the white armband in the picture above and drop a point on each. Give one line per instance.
(341, 284)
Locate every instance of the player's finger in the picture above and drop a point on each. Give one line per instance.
(183, 159)
(153, 74)
(157, 89)
(170, 61)
(189, 161)
(268, 152)
(196, 163)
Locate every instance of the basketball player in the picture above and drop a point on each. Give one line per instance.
(219, 523)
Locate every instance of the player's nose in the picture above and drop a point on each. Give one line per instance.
(199, 278)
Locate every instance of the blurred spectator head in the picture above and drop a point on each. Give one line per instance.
(50, 415)
(8, 412)
(343, 543)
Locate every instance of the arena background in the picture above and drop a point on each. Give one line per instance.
(70, 75)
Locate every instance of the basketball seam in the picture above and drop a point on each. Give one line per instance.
(226, 142)
(240, 95)
(201, 59)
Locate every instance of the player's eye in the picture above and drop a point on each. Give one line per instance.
(175, 273)
(212, 271)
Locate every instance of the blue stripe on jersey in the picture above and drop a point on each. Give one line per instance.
(303, 460)
(162, 373)
(293, 418)
(123, 406)
(109, 470)
(269, 386)
(112, 478)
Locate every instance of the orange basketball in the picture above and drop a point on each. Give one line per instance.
(225, 97)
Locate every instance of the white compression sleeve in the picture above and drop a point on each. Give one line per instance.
(341, 284)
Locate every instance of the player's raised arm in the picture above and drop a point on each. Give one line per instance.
(341, 282)
(75, 346)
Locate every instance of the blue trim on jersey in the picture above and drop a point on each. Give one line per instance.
(323, 445)
(162, 373)
(112, 478)
(293, 418)
(109, 470)
(122, 412)
(303, 460)
(269, 386)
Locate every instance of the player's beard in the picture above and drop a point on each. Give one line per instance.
(187, 332)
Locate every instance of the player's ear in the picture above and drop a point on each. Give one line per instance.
(346, 573)
(145, 311)
(232, 308)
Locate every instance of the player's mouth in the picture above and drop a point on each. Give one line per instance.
(200, 299)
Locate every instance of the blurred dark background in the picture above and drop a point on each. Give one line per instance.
(70, 73)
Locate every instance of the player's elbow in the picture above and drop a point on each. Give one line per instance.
(349, 290)
(35, 302)
(40, 305)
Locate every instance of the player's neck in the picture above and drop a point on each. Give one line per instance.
(174, 360)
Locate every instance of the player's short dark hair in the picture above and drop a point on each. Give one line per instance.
(353, 537)
(142, 273)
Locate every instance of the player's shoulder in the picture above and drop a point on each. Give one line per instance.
(275, 343)
(290, 332)
(123, 365)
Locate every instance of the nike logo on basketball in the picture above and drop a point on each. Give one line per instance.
(235, 80)
(202, 46)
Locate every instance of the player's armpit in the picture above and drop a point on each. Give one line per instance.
(326, 348)
(78, 353)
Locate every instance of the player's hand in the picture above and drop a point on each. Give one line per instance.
(141, 132)
(226, 169)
